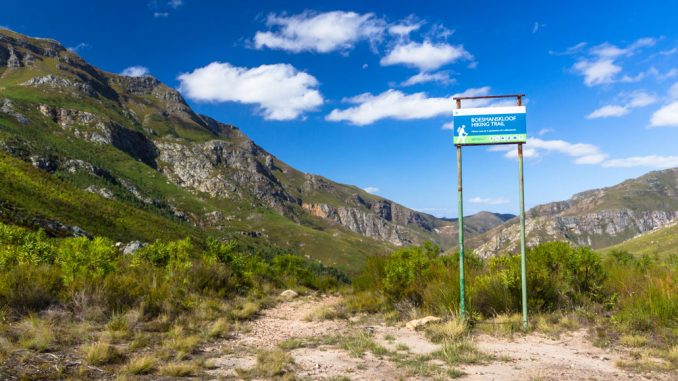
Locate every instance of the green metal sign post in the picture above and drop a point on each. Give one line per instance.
(490, 125)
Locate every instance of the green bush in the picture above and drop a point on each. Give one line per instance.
(161, 278)
(558, 276)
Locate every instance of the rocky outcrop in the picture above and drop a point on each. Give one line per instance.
(7, 107)
(364, 223)
(56, 82)
(593, 218)
(224, 169)
(597, 229)
(103, 131)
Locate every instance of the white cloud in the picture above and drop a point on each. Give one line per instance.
(673, 91)
(404, 28)
(393, 104)
(448, 126)
(371, 189)
(569, 51)
(641, 99)
(666, 116)
(652, 161)
(600, 68)
(135, 71)
(489, 200)
(537, 26)
(160, 14)
(281, 91)
(609, 111)
(174, 4)
(598, 71)
(79, 47)
(425, 56)
(631, 100)
(582, 153)
(319, 32)
(544, 131)
(423, 77)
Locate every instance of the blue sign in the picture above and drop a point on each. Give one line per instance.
(490, 125)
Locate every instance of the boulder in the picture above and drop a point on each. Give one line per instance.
(417, 323)
(133, 246)
(289, 294)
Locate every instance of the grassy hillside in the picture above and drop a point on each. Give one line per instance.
(660, 242)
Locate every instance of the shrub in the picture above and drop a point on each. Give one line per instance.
(82, 259)
(28, 287)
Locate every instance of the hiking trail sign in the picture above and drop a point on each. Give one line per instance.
(483, 126)
(490, 125)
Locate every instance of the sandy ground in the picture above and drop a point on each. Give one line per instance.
(523, 357)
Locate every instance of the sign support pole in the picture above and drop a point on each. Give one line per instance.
(523, 266)
(460, 227)
(460, 220)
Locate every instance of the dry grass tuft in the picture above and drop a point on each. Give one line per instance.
(144, 364)
(100, 353)
(270, 364)
(634, 341)
(219, 328)
(36, 334)
(182, 369)
(452, 329)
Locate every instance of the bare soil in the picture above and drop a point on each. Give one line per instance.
(523, 357)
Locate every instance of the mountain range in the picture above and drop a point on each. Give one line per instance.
(598, 218)
(132, 144)
(88, 152)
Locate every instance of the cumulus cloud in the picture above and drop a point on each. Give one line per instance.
(489, 200)
(280, 91)
(135, 71)
(423, 77)
(600, 65)
(394, 104)
(371, 189)
(319, 32)
(631, 100)
(425, 56)
(667, 116)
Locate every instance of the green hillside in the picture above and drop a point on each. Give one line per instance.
(661, 242)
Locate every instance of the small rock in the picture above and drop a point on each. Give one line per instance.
(414, 324)
(133, 246)
(289, 294)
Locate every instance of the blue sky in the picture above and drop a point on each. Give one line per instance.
(360, 91)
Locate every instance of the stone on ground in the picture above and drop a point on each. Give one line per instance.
(417, 323)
